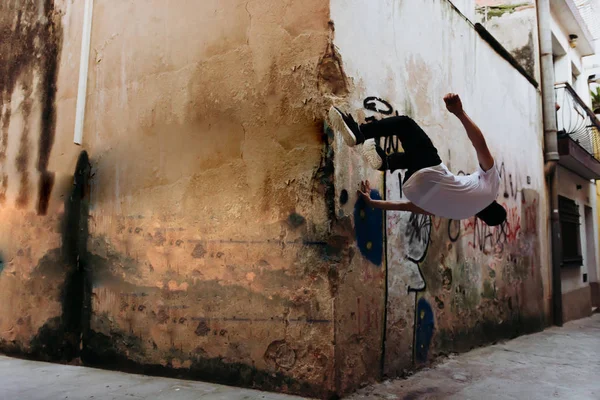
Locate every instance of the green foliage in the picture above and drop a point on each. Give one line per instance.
(500, 10)
(596, 100)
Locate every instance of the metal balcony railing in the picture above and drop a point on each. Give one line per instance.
(576, 120)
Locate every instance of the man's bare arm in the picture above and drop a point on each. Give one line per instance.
(484, 156)
(397, 206)
(365, 193)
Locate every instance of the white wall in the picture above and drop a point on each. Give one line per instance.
(412, 66)
(563, 66)
(467, 7)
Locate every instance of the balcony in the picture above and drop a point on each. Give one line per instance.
(578, 134)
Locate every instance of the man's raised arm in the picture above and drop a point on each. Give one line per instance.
(454, 105)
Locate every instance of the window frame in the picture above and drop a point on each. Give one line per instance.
(570, 224)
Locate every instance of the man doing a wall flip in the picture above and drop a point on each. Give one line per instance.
(428, 184)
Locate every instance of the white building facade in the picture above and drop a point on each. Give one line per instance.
(574, 26)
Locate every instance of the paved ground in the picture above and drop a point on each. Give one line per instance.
(29, 380)
(559, 363)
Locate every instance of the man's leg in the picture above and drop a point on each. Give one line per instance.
(403, 127)
(389, 162)
(419, 151)
(407, 130)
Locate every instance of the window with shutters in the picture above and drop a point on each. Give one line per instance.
(569, 224)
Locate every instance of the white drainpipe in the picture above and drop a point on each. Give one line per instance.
(83, 70)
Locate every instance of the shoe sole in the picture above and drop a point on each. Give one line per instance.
(337, 122)
(370, 154)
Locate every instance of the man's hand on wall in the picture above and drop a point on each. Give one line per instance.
(365, 191)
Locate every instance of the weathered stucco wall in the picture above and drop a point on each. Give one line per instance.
(452, 284)
(210, 235)
(213, 245)
(37, 233)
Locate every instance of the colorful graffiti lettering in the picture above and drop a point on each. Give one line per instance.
(492, 240)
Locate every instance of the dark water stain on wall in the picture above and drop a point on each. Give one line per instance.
(50, 60)
(4, 123)
(59, 339)
(109, 352)
(23, 156)
(526, 55)
(487, 331)
(30, 43)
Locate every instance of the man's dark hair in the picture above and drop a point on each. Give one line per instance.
(493, 215)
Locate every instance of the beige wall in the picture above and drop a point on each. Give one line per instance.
(210, 223)
(211, 246)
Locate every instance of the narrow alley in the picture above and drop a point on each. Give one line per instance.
(299, 198)
(559, 363)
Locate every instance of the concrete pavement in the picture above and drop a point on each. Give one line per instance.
(30, 380)
(559, 363)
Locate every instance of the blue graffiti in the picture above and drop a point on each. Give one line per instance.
(424, 330)
(368, 223)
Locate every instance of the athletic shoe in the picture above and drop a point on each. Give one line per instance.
(371, 153)
(345, 125)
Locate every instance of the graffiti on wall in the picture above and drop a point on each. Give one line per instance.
(418, 234)
(368, 222)
(521, 220)
(382, 107)
(424, 327)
